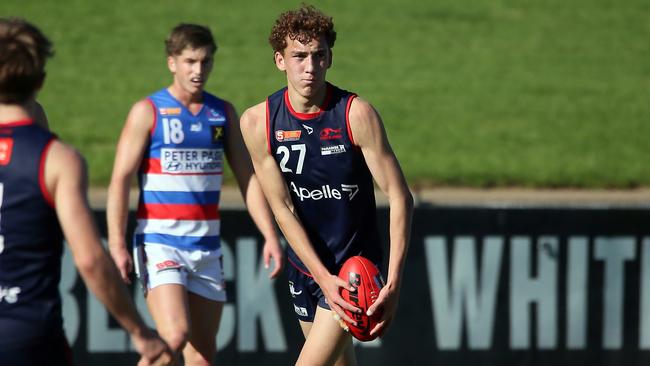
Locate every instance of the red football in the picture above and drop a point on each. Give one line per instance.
(366, 278)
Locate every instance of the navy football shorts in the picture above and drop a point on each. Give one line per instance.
(54, 351)
(305, 294)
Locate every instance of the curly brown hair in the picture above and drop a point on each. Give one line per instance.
(305, 24)
(24, 50)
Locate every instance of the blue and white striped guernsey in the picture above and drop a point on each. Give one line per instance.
(181, 174)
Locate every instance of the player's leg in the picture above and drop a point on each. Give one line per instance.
(169, 309)
(206, 294)
(205, 315)
(326, 343)
(159, 268)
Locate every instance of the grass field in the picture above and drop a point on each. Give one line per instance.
(473, 93)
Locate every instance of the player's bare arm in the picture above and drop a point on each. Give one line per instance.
(369, 134)
(253, 127)
(251, 190)
(66, 181)
(130, 150)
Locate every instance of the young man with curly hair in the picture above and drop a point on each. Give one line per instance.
(317, 149)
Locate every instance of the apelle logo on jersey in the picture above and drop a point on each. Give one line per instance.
(285, 136)
(324, 192)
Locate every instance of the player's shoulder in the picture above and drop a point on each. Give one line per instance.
(143, 106)
(253, 126)
(364, 121)
(361, 108)
(65, 151)
(254, 116)
(65, 156)
(142, 114)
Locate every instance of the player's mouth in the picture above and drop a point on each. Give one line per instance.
(197, 81)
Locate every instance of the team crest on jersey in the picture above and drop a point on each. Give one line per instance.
(285, 136)
(330, 133)
(217, 133)
(169, 111)
(215, 116)
(6, 146)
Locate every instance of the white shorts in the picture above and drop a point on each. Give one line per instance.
(200, 271)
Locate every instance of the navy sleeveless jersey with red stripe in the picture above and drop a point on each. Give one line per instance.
(330, 185)
(31, 242)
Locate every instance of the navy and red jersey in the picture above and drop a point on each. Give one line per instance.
(31, 242)
(330, 185)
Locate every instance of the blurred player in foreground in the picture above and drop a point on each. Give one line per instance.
(175, 140)
(317, 149)
(42, 185)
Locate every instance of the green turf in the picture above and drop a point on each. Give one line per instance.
(473, 93)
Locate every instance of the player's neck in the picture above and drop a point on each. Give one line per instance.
(184, 97)
(13, 112)
(307, 104)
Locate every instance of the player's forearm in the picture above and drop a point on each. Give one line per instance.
(116, 211)
(259, 209)
(102, 279)
(401, 212)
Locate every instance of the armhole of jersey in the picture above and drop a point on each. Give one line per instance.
(347, 118)
(268, 128)
(155, 117)
(41, 173)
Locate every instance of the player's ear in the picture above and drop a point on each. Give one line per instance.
(279, 60)
(171, 64)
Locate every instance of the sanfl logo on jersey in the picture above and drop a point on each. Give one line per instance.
(285, 136)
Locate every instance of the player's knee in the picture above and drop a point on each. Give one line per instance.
(176, 339)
